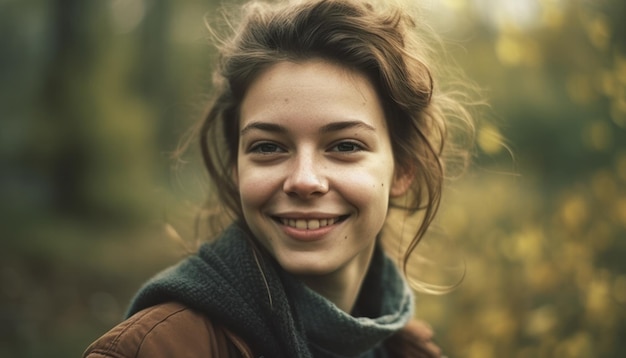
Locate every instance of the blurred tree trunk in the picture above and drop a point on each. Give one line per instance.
(100, 109)
(67, 101)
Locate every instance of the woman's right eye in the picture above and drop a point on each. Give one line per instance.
(266, 148)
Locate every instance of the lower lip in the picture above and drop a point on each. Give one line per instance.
(306, 234)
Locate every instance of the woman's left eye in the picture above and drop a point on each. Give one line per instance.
(346, 147)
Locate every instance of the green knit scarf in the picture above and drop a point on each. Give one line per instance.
(273, 311)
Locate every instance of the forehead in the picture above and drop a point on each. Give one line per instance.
(309, 93)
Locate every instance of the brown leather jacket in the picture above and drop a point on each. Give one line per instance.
(173, 330)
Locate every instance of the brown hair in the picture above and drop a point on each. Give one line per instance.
(381, 43)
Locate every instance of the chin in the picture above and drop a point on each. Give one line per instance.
(315, 267)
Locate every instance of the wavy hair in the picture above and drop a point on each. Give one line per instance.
(381, 42)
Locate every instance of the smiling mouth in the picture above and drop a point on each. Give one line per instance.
(310, 224)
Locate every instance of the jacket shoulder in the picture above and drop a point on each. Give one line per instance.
(168, 330)
(415, 340)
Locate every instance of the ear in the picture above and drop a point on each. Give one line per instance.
(402, 180)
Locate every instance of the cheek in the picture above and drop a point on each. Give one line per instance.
(367, 190)
(255, 186)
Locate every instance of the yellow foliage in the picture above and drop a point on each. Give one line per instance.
(457, 221)
(597, 301)
(575, 258)
(541, 277)
(619, 210)
(620, 68)
(604, 186)
(480, 349)
(455, 5)
(509, 51)
(598, 135)
(541, 321)
(490, 139)
(598, 30)
(580, 89)
(529, 245)
(619, 289)
(497, 323)
(608, 83)
(552, 16)
(577, 346)
(517, 50)
(574, 212)
(618, 112)
(601, 235)
(620, 165)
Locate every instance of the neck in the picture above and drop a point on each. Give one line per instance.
(342, 286)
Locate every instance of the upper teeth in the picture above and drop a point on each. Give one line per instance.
(308, 224)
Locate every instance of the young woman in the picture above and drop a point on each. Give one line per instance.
(324, 119)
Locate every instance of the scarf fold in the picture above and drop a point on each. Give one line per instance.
(273, 311)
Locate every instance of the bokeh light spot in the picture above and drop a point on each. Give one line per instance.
(541, 321)
(455, 5)
(574, 212)
(480, 349)
(576, 346)
(608, 82)
(597, 135)
(528, 245)
(490, 140)
(604, 186)
(127, 14)
(552, 16)
(598, 31)
(509, 51)
(597, 300)
(579, 89)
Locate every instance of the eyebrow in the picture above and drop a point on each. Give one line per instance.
(331, 127)
(263, 126)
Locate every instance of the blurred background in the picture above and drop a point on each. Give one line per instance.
(96, 95)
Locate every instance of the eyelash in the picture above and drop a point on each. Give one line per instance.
(356, 147)
(258, 148)
(261, 148)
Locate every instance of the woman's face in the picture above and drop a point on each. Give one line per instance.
(315, 168)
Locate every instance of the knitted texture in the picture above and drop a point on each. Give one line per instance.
(274, 312)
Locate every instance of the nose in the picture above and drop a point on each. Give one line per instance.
(306, 178)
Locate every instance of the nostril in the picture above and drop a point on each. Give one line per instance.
(305, 186)
(306, 176)
(306, 190)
